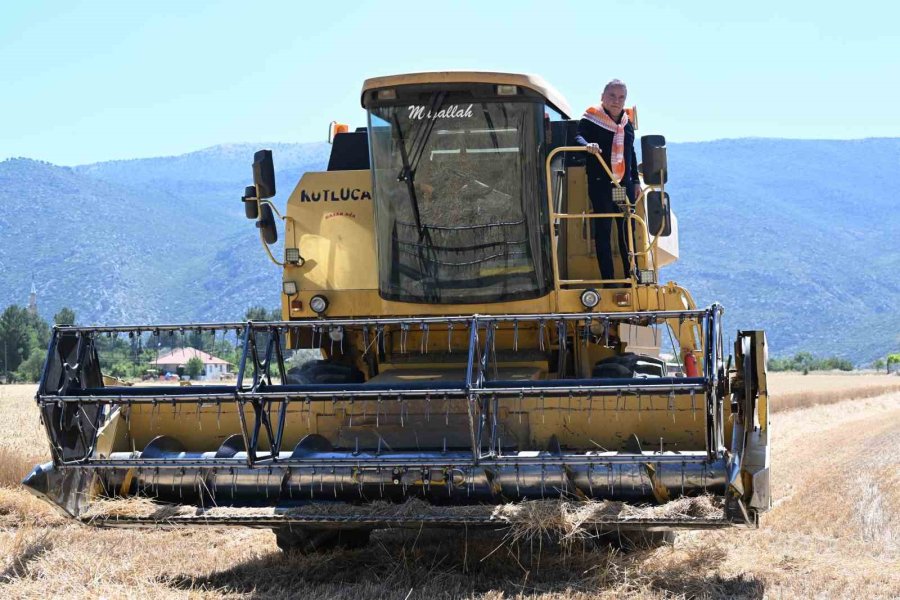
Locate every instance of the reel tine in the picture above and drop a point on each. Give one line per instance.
(404, 331)
(562, 331)
(515, 335)
(541, 327)
(449, 337)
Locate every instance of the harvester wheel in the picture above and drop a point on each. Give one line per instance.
(309, 541)
(629, 365)
(323, 371)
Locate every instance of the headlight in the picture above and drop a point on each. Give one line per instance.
(289, 288)
(292, 256)
(319, 304)
(590, 298)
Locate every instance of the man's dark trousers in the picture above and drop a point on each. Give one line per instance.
(600, 192)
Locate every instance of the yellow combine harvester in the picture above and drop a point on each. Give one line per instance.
(467, 355)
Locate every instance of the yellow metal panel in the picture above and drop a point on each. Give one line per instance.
(331, 218)
(601, 422)
(761, 351)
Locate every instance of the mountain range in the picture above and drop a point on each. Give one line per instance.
(799, 237)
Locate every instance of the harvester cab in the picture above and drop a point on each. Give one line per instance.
(446, 339)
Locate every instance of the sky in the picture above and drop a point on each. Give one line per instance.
(93, 81)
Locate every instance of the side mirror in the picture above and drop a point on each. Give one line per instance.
(659, 214)
(251, 206)
(266, 224)
(653, 153)
(264, 174)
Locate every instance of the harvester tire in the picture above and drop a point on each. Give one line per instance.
(629, 365)
(323, 371)
(310, 541)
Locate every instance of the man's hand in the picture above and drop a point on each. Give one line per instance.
(593, 149)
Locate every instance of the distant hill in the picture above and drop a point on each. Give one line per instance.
(797, 237)
(158, 239)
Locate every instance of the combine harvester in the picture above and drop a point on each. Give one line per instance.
(443, 269)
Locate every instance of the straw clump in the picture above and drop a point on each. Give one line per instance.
(558, 518)
(569, 520)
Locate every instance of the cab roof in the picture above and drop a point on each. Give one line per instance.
(532, 82)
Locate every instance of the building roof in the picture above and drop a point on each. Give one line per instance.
(532, 82)
(180, 356)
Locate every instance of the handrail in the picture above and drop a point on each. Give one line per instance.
(627, 214)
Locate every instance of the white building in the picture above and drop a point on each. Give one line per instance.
(213, 367)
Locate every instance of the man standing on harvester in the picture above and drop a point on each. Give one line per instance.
(606, 131)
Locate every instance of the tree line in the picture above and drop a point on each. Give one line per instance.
(806, 362)
(24, 338)
(23, 341)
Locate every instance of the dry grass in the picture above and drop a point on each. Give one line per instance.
(833, 533)
(794, 390)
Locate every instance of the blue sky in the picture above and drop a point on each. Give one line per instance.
(92, 81)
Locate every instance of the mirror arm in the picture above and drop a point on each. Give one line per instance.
(263, 241)
(272, 206)
(268, 251)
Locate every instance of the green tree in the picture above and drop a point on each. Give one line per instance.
(878, 364)
(893, 360)
(15, 337)
(65, 316)
(194, 367)
(38, 331)
(259, 313)
(31, 368)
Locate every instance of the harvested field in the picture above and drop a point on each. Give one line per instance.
(795, 390)
(834, 532)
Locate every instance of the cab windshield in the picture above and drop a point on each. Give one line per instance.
(460, 211)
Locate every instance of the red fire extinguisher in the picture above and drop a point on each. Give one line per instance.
(690, 365)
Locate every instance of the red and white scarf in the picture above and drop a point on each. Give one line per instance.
(598, 116)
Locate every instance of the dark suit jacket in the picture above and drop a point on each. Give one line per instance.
(591, 133)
